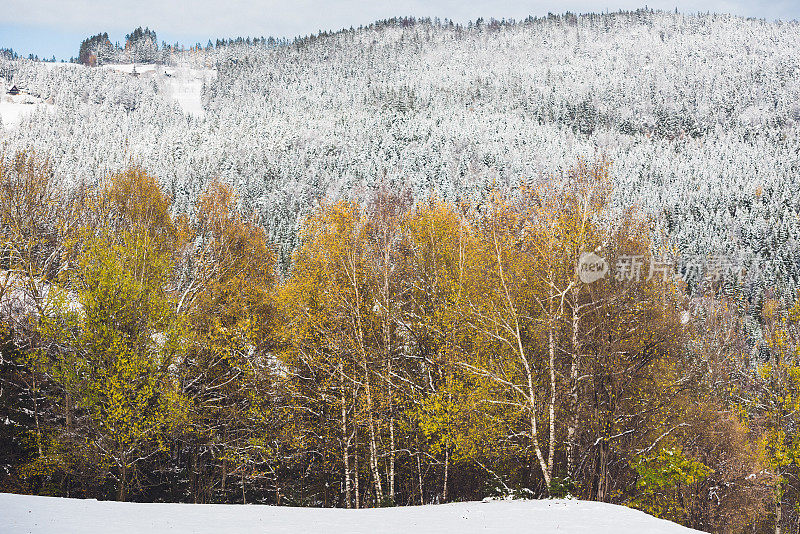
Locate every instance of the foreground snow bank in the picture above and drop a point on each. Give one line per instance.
(27, 514)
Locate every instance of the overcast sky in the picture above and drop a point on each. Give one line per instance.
(56, 27)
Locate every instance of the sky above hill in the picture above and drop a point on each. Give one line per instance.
(56, 27)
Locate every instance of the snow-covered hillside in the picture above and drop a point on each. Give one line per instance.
(33, 515)
(699, 115)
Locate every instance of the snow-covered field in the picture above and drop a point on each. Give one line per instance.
(186, 87)
(183, 84)
(26, 514)
(13, 108)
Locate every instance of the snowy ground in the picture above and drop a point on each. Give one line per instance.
(13, 108)
(25, 514)
(186, 85)
(127, 68)
(183, 84)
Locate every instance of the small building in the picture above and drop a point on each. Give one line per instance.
(14, 90)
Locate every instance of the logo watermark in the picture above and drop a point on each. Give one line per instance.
(635, 268)
(591, 267)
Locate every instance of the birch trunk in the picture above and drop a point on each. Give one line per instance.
(446, 473)
(123, 477)
(419, 479)
(224, 474)
(391, 458)
(345, 444)
(244, 495)
(373, 448)
(356, 489)
(552, 402)
(545, 465)
(574, 370)
(36, 417)
(778, 506)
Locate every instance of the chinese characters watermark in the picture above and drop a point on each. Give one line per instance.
(636, 268)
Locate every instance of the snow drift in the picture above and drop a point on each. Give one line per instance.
(30, 514)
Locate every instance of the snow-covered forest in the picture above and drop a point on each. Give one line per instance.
(339, 271)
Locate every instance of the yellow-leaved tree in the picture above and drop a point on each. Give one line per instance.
(330, 329)
(228, 373)
(778, 398)
(117, 333)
